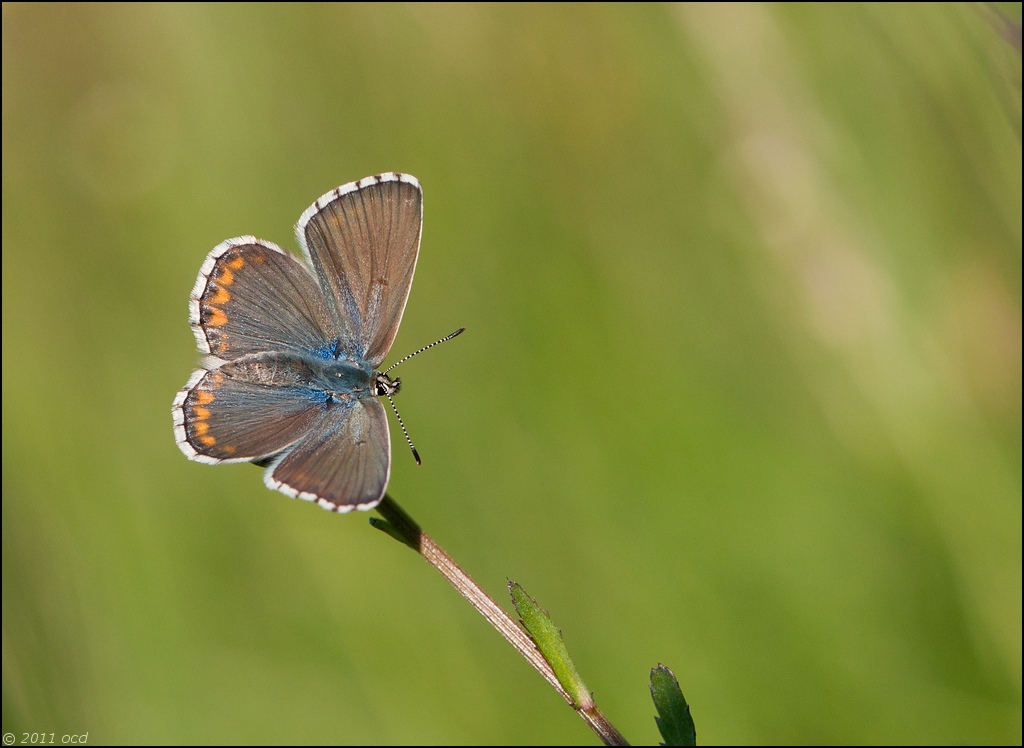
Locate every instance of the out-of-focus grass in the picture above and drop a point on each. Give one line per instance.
(740, 393)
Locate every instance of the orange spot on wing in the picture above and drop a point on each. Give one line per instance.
(203, 397)
(229, 449)
(217, 317)
(201, 427)
(200, 412)
(236, 264)
(208, 441)
(225, 277)
(221, 298)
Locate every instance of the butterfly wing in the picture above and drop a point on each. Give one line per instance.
(247, 409)
(362, 240)
(251, 296)
(342, 465)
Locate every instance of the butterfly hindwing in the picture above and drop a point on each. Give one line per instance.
(247, 409)
(342, 465)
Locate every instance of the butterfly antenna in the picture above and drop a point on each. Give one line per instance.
(389, 392)
(445, 339)
(415, 454)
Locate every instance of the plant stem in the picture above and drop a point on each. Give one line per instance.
(406, 529)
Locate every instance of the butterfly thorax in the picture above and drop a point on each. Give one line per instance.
(343, 377)
(355, 378)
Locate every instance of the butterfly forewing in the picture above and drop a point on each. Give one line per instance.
(362, 240)
(253, 297)
(342, 465)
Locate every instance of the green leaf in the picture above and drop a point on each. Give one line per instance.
(674, 720)
(548, 639)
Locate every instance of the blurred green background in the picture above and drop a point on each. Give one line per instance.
(740, 391)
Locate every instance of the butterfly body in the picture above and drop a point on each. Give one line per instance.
(290, 380)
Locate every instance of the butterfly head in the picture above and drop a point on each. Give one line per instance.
(385, 386)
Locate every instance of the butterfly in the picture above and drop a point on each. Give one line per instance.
(290, 380)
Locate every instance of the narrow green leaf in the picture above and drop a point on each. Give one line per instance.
(548, 639)
(673, 720)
